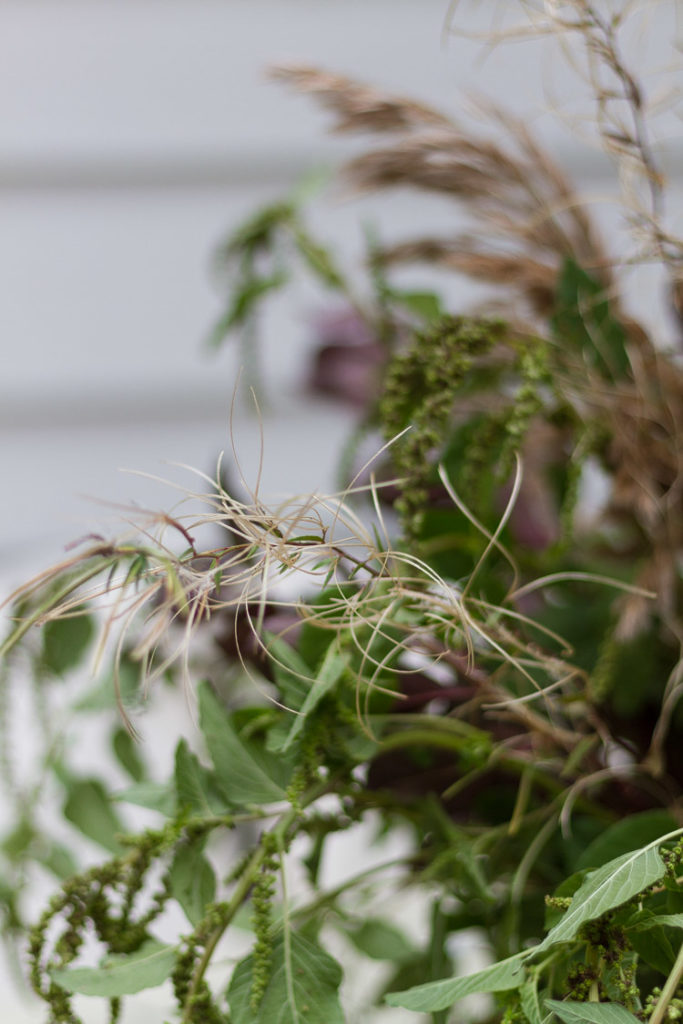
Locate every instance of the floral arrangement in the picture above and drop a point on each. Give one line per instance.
(456, 646)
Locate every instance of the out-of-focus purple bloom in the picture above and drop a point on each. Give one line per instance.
(534, 522)
(535, 519)
(348, 361)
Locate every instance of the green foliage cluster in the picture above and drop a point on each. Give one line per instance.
(418, 398)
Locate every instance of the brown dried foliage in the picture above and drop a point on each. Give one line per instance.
(526, 217)
(526, 220)
(358, 107)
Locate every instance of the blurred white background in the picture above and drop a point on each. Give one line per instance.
(133, 135)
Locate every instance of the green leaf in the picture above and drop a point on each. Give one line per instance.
(631, 833)
(439, 995)
(314, 638)
(591, 1013)
(245, 299)
(117, 976)
(662, 920)
(16, 844)
(380, 940)
(567, 887)
(245, 772)
(195, 786)
(155, 796)
(65, 642)
(103, 696)
(655, 948)
(127, 754)
(88, 807)
(318, 260)
(57, 859)
(530, 1002)
(9, 911)
(258, 233)
(426, 305)
(612, 884)
(333, 665)
(302, 989)
(193, 882)
(582, 318)
(292, 674)
(655, 937)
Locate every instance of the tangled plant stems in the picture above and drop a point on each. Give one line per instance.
(452, 647)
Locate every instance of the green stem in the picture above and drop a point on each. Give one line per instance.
(238, 897)
(437, 722)
(329, 897)
(287, 929)
(523, 795)
(521, 875)
(23, 627)
(453, 734)
(499, 833)
(421, 737)
(669, 990)
(242, 888)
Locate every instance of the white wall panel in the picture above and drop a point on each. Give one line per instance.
(133, 135)
(108, 297)
(92, 80)
(102, 82)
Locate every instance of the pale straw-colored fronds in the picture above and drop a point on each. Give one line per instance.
(591, 37)
(358, 107)
(525, 218)
(301, 557)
